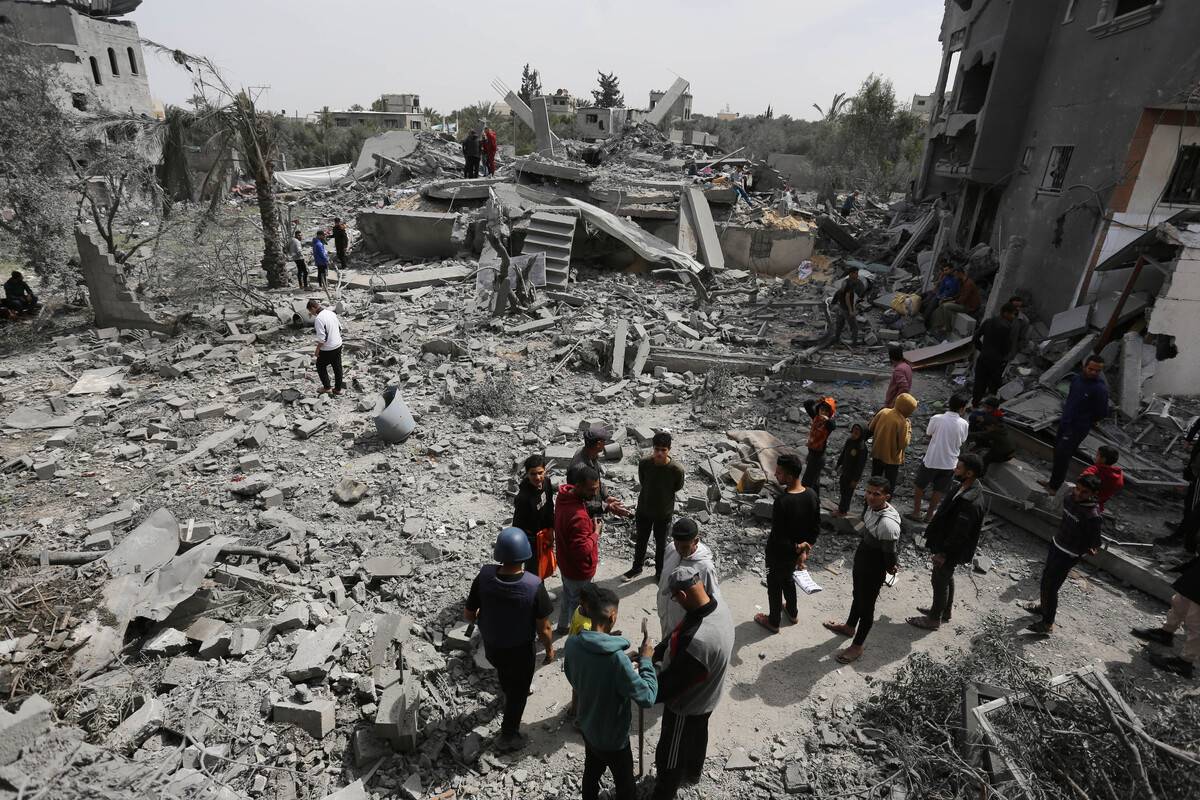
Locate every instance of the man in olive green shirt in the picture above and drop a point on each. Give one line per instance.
(660, 477)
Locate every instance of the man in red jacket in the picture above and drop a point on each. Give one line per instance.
(576, 540)
(489, 147)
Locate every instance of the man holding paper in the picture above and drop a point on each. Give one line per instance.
(795, 526)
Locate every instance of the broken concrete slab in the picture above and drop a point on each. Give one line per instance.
(1131, 373)
(138, 726)
(20, 728)
(316, 718)
(397, 719)
(554, 169)
(1071, 360)
(408, 234)
(460, 188)
(113, 304)
(147, 547)
(1071, 322)
(97, 381)
(314, 652)
(24, 418)
(544, 138)
(207, 444)
(695, 205)
(413, 279)
(354, 791)
(638, 239)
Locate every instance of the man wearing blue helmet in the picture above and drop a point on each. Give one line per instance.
(511, 607)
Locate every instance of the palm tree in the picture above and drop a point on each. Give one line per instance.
(241, 125)
(840, 101)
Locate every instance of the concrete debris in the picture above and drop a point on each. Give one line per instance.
(20, 728)
(112, 303)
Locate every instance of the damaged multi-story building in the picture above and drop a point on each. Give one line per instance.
(98, 55)
(1064, 130)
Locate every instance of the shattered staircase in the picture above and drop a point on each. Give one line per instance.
(552, 234)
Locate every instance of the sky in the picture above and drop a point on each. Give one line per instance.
(744, 55)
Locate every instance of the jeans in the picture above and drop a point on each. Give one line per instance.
(847, 486)
(568, 601)
(471, 169)
(988, 377)
(1065, 445)
(514, 669)
(302, 273)
(644, 527)
(620, 762)
(942, 579)
(781, 591)
(813, 464)
(343, 259)
(870, 569)
(741, 194)
(682, 748)
(943, 317)
(889, 471)
(1054, 575)
(330, 358)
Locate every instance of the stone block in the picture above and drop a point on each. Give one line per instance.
(243, 640)
(384, 567)
(309, 427)
(1014, 479)
(293, 617)
(45, 470)
(249, 463)
(62, 438)
(250, 485)
(354, 791)
(98, 541)
(257, 437)
(210, 411)
(21, 727)
(764, 508)
(271, 498)
(216, 645)
(181, 672)
(203, 628)
(368, 747)
(315, 718)
(137, 727)
(109, 521)
(167, 642)
(641, 434)
(314, 652)
(397, 719)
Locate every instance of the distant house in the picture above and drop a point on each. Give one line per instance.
(398, 112)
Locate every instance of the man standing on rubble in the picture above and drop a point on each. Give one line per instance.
(947, 433)
(470, 151)
(874, 560)
(328, 331)
(576, 539)
(660, 477)
(533, 509)
(693, 661)
(902, 375)
(952, 536)
(296, 254)
(489, 146)
(1185, 611)
(843, 306)
(341, 242)
(993, 343)
(795, 526)
(511, 607)
(605, 679)
(1078, 535)
(850, 203)
(891, 432)
(320, 257)
(686, 551)
(1086, 404)
(595, 440)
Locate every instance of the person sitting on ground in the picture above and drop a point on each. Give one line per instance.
(1185, 611)
(993, 442)
(533, 509)
(17, 294)
(947, 432)
(661, 478)
(1078, 535)
(795, 526)
(1112, 479)
(891, 433)
(606, 679)
(687, 551)
(821, 412)
(874, 560)
(967, 301)
(693, 661)
(951, 538)
(902, 375)
(511, 607)
(850, 465)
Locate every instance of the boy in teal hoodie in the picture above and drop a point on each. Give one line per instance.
(606, 680)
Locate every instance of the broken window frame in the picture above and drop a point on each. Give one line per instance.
(1108, 22)
(1055, 176)
(1186, 159)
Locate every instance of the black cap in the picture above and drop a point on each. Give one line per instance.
(597, 433)
(685, 528)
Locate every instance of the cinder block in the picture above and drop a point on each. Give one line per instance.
(316, 718)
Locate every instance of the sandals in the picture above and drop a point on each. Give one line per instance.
(924, 623)
(841, 629)
(847, 659)
(765, 621)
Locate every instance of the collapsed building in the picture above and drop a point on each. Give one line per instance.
(1063, 132)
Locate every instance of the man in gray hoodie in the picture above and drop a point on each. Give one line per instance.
(688, 551)
(691, 679)
(874, 560)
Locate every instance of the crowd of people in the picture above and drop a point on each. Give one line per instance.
(559, 529)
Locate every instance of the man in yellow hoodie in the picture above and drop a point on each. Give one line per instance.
(891, 431)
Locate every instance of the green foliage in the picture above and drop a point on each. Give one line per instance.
(531, 84)
(609, 94)
(36, 138)
(314, 144)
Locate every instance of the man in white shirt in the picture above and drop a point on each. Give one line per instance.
(946, 432)
(329, 346)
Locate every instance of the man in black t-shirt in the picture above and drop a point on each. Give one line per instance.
(533, 509)
(795, 526)
(511, 607)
